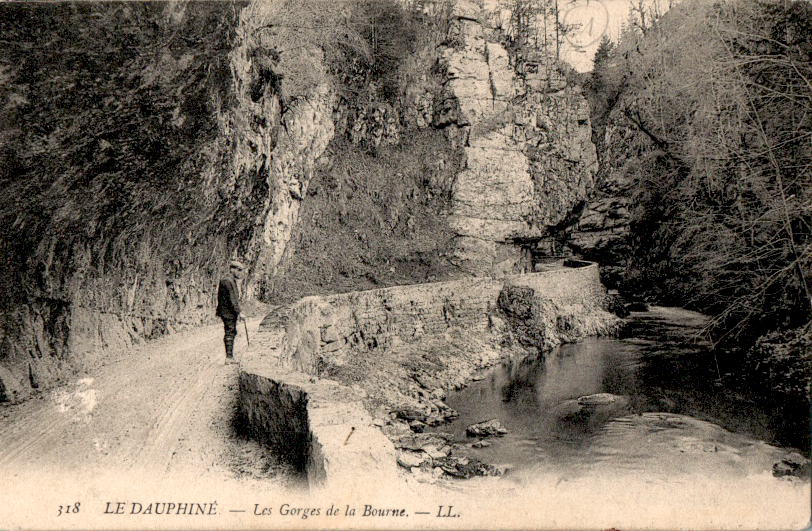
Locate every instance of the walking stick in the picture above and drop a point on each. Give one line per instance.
(246, 332)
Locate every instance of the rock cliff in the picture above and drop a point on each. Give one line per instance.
(525, 133)
(146, 172)
(279, 131)
(106, 253)
(598, 228)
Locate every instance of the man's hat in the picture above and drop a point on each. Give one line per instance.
(237, 264)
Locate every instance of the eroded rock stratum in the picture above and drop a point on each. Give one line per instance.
(525, 132)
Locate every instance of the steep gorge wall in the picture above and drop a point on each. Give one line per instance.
(103, 254)
(276, 140)
(599, 228)
(525, 133)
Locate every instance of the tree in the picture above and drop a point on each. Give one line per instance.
(536, 25)
(602, 54)
(718, 104)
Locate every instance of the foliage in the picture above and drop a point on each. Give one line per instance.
(783, 362)
(371, 220)
(536, 25)
(719, 101)
(600, 91)
(365, 44)
(392, 34)
(300, 37)
(602, 54)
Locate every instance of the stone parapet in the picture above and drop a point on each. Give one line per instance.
(318, 425)
(320, 368)
(340, 326)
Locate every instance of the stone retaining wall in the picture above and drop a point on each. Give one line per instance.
(339, 326)
(318, 425)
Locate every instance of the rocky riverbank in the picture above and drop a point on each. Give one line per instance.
(399, 351)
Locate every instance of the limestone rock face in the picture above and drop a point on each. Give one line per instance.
(276, 138)
(592, 408)
(76, 299)
(600, 229)
(526, 140)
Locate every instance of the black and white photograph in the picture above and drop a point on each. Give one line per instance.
(405, 264)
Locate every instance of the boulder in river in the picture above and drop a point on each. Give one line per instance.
(437, 453)
(409, 413)
(395, 429)
(585, 407)
(615, 304)
(488, 428)
(468, 467)
(668, 445)
(599, 399)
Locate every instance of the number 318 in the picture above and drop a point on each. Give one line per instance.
(68, 509)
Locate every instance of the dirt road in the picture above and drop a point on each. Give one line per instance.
(161, 409)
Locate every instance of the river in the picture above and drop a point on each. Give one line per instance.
(647, 404)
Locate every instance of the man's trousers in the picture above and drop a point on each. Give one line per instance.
(230, 327)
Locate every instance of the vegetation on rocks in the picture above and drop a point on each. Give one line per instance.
(538, 323)
(702, 117)
(105, 120)
(374, 214)
(371, 221)
(120, 208)
(779, 366)
(718, 100)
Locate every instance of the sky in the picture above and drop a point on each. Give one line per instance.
(596, 18)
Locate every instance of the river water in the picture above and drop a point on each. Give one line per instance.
(646, 403)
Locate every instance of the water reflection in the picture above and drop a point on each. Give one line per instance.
(660, 365)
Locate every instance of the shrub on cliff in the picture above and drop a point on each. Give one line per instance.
(371, 220)
(364, 44)
(302, 39)
(401, 38)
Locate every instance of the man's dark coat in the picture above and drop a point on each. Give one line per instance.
(228, 299)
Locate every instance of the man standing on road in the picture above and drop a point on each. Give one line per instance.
(228, 306)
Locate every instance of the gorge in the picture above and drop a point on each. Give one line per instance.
(445, 230)
(103, 274)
